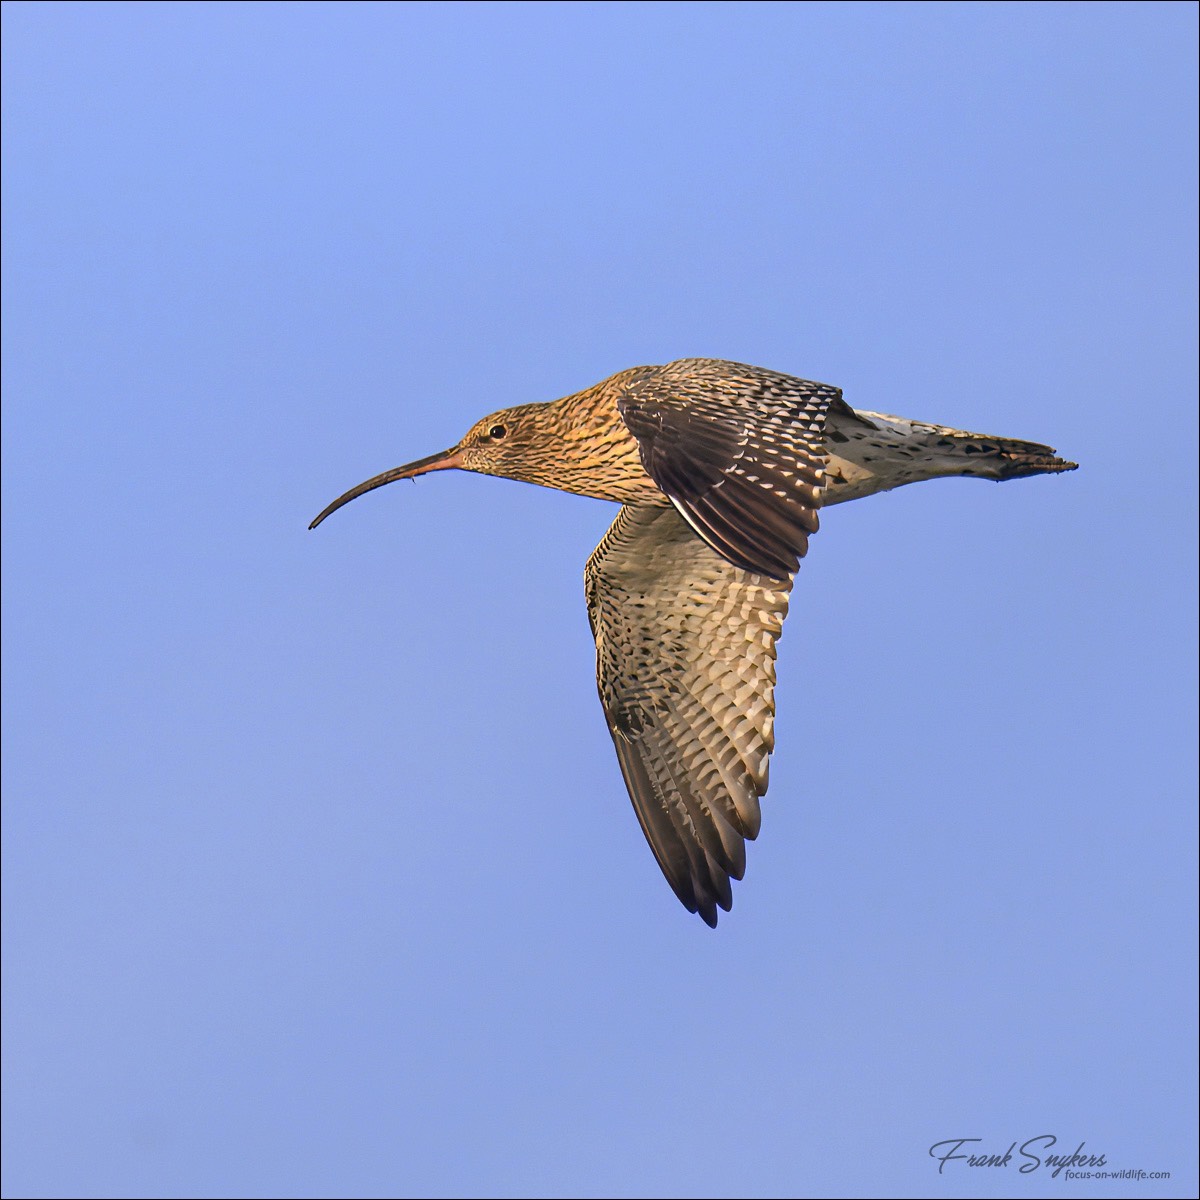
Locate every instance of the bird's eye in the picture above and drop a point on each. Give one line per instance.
(497, 432)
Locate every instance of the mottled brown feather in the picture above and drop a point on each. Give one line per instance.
(739, 451)
(685, 665)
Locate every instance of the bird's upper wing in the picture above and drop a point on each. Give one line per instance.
(685, 658)
(739, 451)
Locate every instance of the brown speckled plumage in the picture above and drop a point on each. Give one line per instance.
(721, 469)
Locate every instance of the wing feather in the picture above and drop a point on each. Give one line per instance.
(685, 654)
(740, 451)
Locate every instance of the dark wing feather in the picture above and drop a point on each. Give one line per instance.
(739, 450)
(685, 665)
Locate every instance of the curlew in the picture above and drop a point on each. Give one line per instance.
(720, 469)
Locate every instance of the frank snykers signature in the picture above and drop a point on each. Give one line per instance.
(1032, 1155)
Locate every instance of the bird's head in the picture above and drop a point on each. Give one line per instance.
(517, 443)
(512, 442)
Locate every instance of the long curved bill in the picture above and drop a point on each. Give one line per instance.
(447, 460)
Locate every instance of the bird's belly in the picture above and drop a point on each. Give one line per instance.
(847, 480)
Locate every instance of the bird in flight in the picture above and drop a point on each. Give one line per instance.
(720, 470)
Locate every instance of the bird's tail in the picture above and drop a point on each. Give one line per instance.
(874, 452)
(1006, 458)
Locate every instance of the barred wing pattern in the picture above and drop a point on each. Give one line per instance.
(685, 658)
(740, 453)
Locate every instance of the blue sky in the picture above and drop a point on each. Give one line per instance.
(319, 874)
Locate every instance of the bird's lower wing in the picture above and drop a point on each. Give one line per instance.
(685, 657)
(740, 452)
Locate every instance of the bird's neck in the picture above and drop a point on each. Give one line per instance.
(595, 454)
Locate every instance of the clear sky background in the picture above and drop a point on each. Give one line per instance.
(320, 876)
